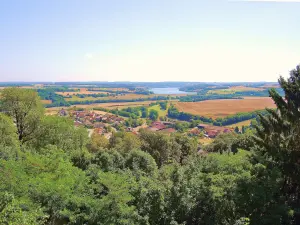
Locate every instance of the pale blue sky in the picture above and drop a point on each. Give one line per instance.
(139, 40)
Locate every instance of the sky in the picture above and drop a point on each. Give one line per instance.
(143, 40)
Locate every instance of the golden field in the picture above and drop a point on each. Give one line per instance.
(225, 107)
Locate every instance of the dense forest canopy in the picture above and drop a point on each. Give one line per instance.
(52, 173)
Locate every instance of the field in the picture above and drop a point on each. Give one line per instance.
(271, 85)
(159, 110)
(225, 107)
(234, 89)
(221, 91)
(46, 101)
(243, 88)
(241, 124)
(111, 105)
(67, 93)
(123, 96)
(112, 89)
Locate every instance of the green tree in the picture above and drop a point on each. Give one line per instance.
(153, 114)
(114, 206)
(237, 130)
(145, 113)
(140, 161)
(279, 143)
(224, 143)
(11, 212)
(109, 160)
(157, 145)
(60, 131)
(98, 142)
(188, 146)
(125, 142)
(9, 143)
(26, 110)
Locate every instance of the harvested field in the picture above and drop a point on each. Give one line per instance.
(243, 88)
(110, 105)
(271, 86)
(27, 87)
(120, 105)
(125, 96)
(67, 93)
(112, 89)
(234, 89)
(46, 101)
(52, 111)
(221, 91)
(241, 124)
(225, 107)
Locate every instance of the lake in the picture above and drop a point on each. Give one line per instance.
(169, 91)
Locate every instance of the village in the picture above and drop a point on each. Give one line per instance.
(105, 124)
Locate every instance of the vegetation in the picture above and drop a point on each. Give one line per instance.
(54, 174)
(199, 98)
(49, 94)
(88, 102)
(226, 91)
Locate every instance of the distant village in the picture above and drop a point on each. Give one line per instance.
(104, 123)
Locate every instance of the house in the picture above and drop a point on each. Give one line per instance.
(80, 114)
(203, 126)
(87, 122)
(152, 129)
(99, 125)
(195, 131)
(98, 118)
(99, 130)
(119, 119)
(167, 123)
(212, 133)
(129, 129)
(158, 125)
(226, 130)
(77, 123)
(62, 112)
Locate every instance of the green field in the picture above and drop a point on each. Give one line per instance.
(221, 91)
(159, 110)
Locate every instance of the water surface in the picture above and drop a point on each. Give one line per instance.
(169, 91)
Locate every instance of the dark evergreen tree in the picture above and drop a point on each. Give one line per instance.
(279, 141)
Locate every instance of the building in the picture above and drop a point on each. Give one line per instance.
(157, 125)
(195, 131)
(62, 112)
(213, 131)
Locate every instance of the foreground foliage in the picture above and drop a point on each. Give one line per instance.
(57, 175)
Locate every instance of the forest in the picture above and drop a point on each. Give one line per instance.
(52, 173)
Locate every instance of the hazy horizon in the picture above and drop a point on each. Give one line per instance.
(143, 41)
